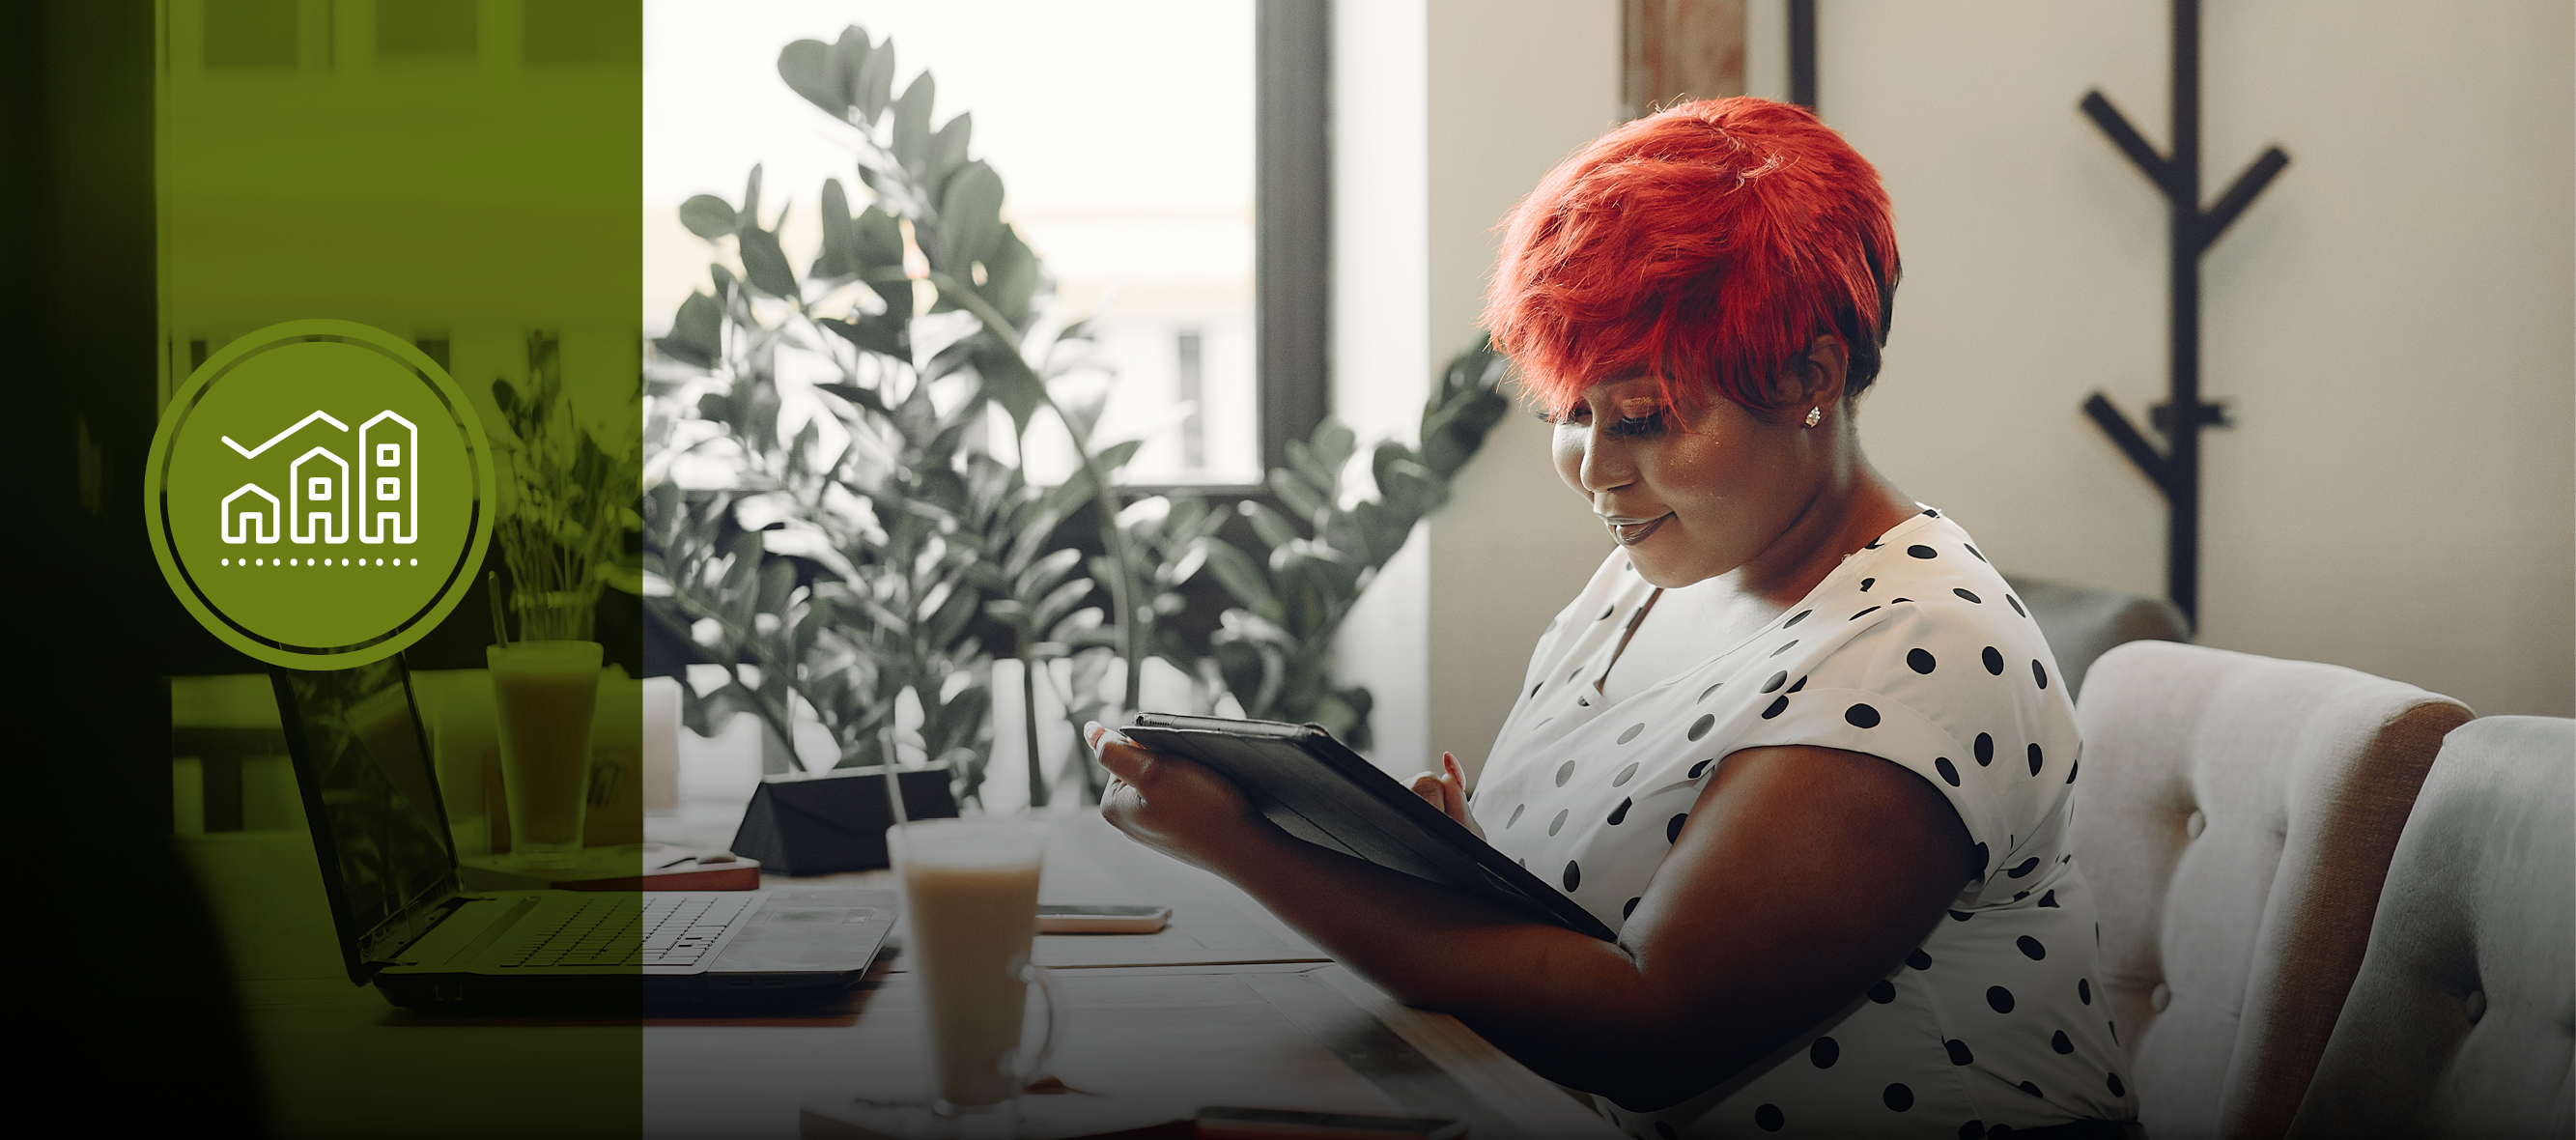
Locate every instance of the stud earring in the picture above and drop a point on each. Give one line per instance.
(1815, 416)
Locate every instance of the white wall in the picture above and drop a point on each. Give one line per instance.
(2390, 321)
(1514, 88)
(1381, 336)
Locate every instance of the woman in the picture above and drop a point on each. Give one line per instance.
(1795, 742)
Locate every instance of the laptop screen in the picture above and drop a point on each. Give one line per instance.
(379, 828)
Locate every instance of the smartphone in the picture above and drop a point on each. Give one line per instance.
(1089, 918)
(1274, 1124)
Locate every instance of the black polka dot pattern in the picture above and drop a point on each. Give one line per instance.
(1664, 737)
(2030, 1088)
(2114, 1084)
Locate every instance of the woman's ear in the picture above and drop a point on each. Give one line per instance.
(1814, 378)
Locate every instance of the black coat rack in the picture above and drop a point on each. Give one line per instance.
(2176, 470)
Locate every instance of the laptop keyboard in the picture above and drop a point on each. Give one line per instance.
(608, 931)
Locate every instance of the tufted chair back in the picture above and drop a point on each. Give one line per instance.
(2463, 1021)
(2235, 819)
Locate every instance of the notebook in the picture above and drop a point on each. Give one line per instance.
(408, 925)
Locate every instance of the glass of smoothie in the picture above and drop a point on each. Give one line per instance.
(970, 892)
(545, 692)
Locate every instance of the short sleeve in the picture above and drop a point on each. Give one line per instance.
(1916, 689)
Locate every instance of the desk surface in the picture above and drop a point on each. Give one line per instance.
(1225, 1006)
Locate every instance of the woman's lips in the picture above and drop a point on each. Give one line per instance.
(1630, 532)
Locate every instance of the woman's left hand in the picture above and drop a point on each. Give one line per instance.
(1180, 807)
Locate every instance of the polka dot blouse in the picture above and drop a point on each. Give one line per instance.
(1912, 650)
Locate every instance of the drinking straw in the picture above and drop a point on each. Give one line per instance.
(894, 789)
(500, 630)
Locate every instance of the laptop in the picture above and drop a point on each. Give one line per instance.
(407, 925)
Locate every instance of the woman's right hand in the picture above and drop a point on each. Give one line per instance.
(1447, 791)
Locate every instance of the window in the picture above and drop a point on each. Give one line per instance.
(1125, 135)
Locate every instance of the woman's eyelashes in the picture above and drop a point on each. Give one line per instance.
(1644, 426)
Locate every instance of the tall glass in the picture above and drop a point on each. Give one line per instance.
(545, 692)
(970, 890)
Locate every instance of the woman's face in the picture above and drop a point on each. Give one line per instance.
(1687, 500)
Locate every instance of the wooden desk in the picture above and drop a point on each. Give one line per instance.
(1226, 1006)
(1165, 1040)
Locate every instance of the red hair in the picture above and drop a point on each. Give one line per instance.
(1705, 246)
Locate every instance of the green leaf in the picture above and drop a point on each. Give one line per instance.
(765, 264)
(1011, 276)
(840, 256)
(708, 216)
(1296, 494)
(1381, 531)
(1241, 576)
(877, 334)
(947, 150)
(850, 52)
(1274, 531)
(1116, 455)
(806, 65)
(1010, 382)
(1324, 477)
(863, 397)
(912, 123)
(880, 245)
(1333, 445)
(696, 333)
(969, 217)
(875, 79)
(749, 216)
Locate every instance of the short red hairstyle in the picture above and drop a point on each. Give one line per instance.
(1704, 246)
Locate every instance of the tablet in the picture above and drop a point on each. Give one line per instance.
(1320, 791)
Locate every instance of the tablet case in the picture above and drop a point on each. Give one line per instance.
(1320, 791)
(822, 823)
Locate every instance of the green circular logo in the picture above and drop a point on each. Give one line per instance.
(319, 494)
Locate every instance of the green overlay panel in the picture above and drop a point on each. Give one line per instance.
(417, 221)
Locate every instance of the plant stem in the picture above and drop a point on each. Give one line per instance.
(1131, 630)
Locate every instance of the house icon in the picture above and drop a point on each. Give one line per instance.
(317, 498)
(248, 524)
(388, 476)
